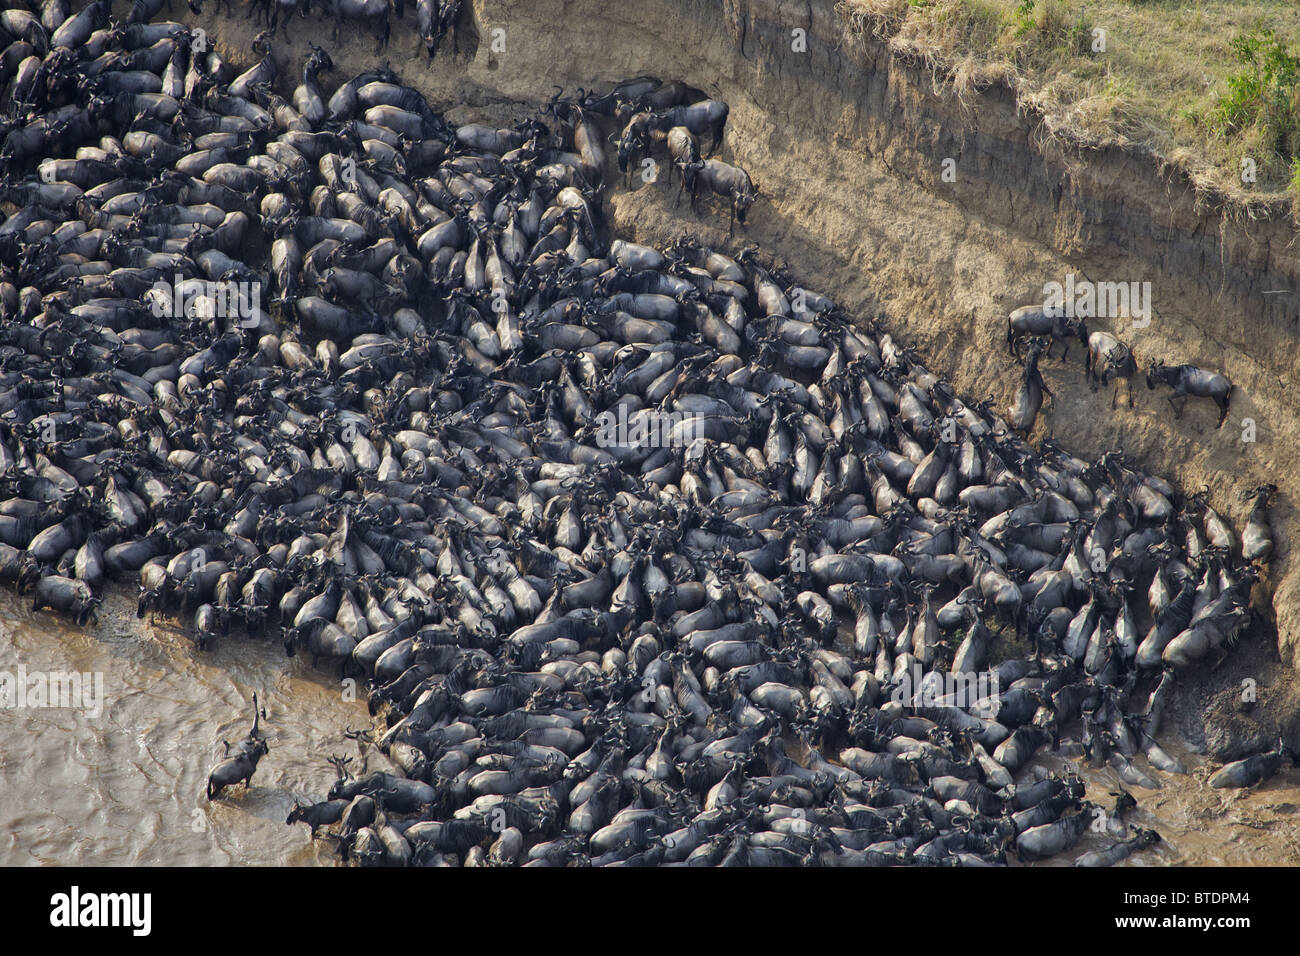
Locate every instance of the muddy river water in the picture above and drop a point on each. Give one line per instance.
(126, 787)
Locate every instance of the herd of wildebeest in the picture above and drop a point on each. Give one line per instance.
(827, 614)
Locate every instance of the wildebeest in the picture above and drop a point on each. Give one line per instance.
(264, 73)
(1251, 770)
(1109, 356)
(1190, 380)
(725, 180)
(1031, 320)
(272, 10)
(307, 97)
(374, 12)
(242, 765)
(435, 19)
(634, 140)
(705, 116)
(1032, 389)
(684, 151)
(646, 126)
(1257, 539)
(317, 815)
(582, 130)
(69, 595)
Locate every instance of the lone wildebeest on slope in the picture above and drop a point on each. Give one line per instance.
(1190, 380)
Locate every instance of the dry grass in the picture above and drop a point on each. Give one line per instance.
(1162, 80)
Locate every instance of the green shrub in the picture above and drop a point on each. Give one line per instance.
(1024, 17)
(1050, 25)
(1264, 95)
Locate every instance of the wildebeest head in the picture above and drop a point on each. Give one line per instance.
(1077, 327)
(98, 106)
(87, 610)
(340, 764)
(1155, 373)
(319, 61)
(555, 107)
(633, 140)
(29, 575)
(262, 43)
(744, 199)
(1120, 361)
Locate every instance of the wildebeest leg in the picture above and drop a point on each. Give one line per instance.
(1177, 413)
(731, 220)
(1114, 398)
(1131, 403)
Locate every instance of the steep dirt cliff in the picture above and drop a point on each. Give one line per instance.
(848, 144)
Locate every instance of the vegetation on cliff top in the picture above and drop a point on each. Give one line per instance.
(1211, 85)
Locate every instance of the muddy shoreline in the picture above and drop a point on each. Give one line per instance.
(126, 787)
(80, 803)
